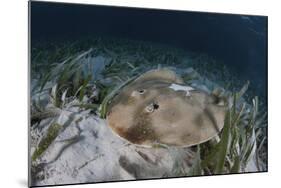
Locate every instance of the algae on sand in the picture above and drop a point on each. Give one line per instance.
(46, 141)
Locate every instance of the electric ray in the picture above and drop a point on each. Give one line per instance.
(157, 108)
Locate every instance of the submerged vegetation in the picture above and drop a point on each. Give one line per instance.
(86, 75)
(52, 133)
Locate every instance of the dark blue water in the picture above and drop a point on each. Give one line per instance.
(239, 41)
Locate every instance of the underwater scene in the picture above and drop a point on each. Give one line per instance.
(119, 94)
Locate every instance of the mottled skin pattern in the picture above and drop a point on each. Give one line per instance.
(147, 112)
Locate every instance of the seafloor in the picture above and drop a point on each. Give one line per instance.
(71, 85)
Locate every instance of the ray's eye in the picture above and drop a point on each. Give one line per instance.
(137, 93)
(141, 91)
(155, 106)
(151, 107)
